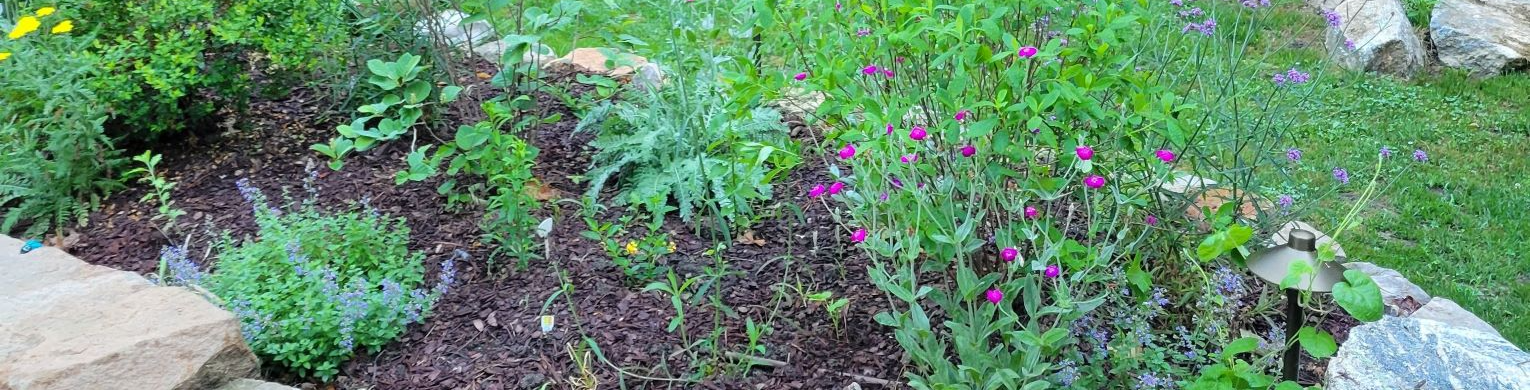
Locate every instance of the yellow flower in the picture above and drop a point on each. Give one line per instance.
(632, 247)
(25, 25)
(671, 247)
(44, 11)
(63, 27)
(4, 55)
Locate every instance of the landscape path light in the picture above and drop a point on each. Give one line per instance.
(1273, 264)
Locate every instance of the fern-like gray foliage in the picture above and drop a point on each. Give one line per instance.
(683, 143)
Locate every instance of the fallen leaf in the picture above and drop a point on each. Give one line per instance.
(493, 321)
(478, 324)
(484, 76)
(541, 191)
(749, 238)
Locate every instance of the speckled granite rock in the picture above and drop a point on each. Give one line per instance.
(1412, 353)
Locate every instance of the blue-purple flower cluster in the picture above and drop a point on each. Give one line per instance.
(182, 271)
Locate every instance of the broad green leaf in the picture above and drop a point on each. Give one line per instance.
(449, 93)
(1359, 296)
(1318, 343)
(417, 91)
(1239, 346)
(469, 137)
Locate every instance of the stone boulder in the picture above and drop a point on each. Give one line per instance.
(1485, 37)
(1448, 312)
(1400, 296)
(65, 324)
(1374, 36)
(594, 61)
(1412, 353)
(251, 384)
(479, 38)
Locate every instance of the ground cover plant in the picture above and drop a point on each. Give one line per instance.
(897, 193)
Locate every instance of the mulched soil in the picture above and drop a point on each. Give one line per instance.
(484, 334)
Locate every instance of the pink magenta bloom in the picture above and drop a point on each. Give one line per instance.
(889, 129)
(1052, 271)
(994, 295)
(1030, 212)
(1151, 220)
(800, 76)
(968, 151)
(834, 188)
(847, 152)
(908, 158)
(962, 115)
(1094, 181)
(870, 70)
(859, 235)
(1084, 152)
(1009, 254)
(817, 191)
(1027, 52)
(1165, 155)
(917, 134)
(887, 72)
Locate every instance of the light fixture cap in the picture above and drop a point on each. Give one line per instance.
(1274, 264)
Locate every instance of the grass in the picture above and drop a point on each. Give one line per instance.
(1457, 226)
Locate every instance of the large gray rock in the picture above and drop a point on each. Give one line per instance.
(1400, 296)
(65, 324)
(1448, 312)
(1411, 353)
(449, 28)
(251, 384)
(1486, 37)
(1374, 36)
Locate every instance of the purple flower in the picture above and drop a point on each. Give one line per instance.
(863, 32)
(1341, 175)
(1279, 79)
(1333, 18)
(1084, 152)
(1094, 181)
(836, 187)
(817, 191)
(883, 197)
(1177, 3)
(1031, 212)
(1294, 76)
(1256, 3)
(968, 151)
(449, 271)
(962, 115)
(887, 72)
(909, 158)
(1009, 254)
(1349, 44)
(837, 6)
(1052, 271)
(994, 295)
(1294, 154)
(889, 129)
(917, 133)
(1027, 52)
(1165, 155)
(1285, 201)
(1420, 156)
(801, 76)
(869, 70)
(1152, 220)
(897, 183)
(1386, 152)
(847, 152)
(858, 236)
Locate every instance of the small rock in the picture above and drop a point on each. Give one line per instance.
(532, 380)
(1400, 296)
(448, 27)
(1485, 37)
(593, 60)
(1412, 353)
(853, 386)
(251, 384)
(1448, 312)
(799, 104)
(1375, 36)
(1186, 184)
(649, 76)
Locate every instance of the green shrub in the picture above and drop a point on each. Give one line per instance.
(313, 286)
(56, 162)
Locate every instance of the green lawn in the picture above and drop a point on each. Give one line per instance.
(1458, 226)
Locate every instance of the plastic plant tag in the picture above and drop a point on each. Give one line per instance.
(547, 324)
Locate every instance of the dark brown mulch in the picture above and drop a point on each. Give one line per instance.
(449, 350)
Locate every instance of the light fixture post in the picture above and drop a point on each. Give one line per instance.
(1274, 264)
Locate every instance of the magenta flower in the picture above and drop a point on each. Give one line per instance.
(1084, 152)
(899, 60)
(837, 6)
(883, 197)
(1152, 220)
(847, 152)
(908, 158)
(859, 235)
(1031, 212)
(1052, 271)
(1094, 181)
(889, 129)
(887, 72)
(994, 295)
(917, 134)
(1294, 154)
(1027, 52)
(835, 188)
(817, 191)
(897, 183)
(962, 115)
(1009, 254)
(968, 151)
(1165, 155)
(800, 76)
(869, 70)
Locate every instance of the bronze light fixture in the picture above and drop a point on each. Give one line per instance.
(1273, 264)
